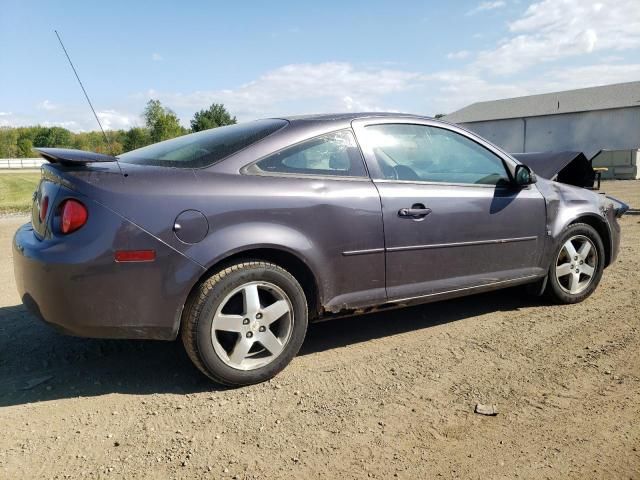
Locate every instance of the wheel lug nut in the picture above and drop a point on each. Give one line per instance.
(245, 321)
(258, 316)
(249, 334)
(572, 265)
(262, 328)
(575, 258)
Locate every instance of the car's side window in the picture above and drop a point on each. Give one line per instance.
(333, 154)
(432, 154)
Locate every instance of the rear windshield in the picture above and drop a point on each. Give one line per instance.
(203, 148)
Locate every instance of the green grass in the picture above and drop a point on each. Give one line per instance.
(16, 191)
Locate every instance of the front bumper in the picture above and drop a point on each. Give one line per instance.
(74, 284)
(613, 212)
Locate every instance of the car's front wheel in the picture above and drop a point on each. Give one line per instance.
(245, 323)
(577, 264)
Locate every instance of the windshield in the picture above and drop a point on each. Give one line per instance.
(203, 148)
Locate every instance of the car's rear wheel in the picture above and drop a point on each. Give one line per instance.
(245, 323)
(577, 264)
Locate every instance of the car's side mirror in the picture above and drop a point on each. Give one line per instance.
(524, 176)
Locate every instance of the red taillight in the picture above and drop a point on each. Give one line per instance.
(74, 216)
(44, 206)
(134, 255)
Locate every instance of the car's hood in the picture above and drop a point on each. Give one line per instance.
(548, 164)
(569, 167)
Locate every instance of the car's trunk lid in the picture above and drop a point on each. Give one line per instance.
(149, 196)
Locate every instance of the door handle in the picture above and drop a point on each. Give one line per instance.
(416, 211)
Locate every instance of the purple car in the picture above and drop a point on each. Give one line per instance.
(235, 238)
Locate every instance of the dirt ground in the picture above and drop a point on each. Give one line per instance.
(382, 396)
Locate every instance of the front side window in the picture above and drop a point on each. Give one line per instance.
(432, 154)
(333, 154)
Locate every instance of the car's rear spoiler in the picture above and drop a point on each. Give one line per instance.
(70, 156)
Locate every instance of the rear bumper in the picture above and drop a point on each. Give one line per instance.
(74, 284)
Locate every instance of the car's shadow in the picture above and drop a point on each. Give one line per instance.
(38, 364)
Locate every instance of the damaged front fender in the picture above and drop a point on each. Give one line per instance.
(568, 204)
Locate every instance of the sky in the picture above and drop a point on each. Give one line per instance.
(275, 58)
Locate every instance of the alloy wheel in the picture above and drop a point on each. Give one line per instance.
(252, 325)
(576, 264)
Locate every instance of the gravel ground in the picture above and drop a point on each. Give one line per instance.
(382, 396)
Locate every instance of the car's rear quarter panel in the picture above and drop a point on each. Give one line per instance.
(74, 282)
(316, 219)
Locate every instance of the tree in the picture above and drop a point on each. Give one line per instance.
(25, 147)
(81, 142)
(53, 137)
(215, 116)
(8, 139)
(162, 122)
(440, 115)
(136, 138)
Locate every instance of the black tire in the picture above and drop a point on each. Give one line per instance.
(555, 290)
(197, 319)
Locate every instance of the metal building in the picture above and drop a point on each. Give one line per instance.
(589, 120)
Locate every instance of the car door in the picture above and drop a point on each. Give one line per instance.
(315, 199)
(452, 217)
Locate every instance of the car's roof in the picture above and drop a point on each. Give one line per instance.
(340, 119)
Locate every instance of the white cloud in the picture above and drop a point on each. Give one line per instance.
(9, 119)
(302, 88)
(460, 55)
(113, 120)
(291, 89)
(612, 59)
(589, 76)
(452, 90)
(589, 42)
(485, 6)
(47, 105)
(70, 124)
(341, 87)
(557, 29)
(77, 118)
(156, 57)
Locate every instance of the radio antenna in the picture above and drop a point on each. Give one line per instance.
(106, 138)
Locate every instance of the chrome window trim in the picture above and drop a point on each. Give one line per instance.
(253, 169)
(358, 125)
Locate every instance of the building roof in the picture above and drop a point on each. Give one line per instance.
(619, 95)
